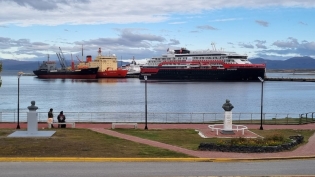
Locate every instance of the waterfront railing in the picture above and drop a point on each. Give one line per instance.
(139, 117)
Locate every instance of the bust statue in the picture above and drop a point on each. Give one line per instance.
(227, 106)
(32, 107)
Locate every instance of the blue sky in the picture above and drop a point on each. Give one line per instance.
(278, 30)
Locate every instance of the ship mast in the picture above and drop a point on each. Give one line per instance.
(99, 52)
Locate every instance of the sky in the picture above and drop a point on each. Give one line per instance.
(269, 29)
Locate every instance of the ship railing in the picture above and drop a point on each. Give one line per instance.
(160, 117)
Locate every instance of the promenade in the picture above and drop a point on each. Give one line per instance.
(305, 151)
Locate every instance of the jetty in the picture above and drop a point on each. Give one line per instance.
(289, 79)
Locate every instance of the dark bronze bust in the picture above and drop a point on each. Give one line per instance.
(32, 107)
(227, 106)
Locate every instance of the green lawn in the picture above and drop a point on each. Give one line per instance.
(86, 143)
(77, 143)
(190, 139)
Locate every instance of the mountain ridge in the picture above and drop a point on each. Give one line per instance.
(291, 63)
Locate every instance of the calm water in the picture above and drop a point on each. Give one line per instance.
(128, 95)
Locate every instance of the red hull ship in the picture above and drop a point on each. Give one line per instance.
(119, 73)
(107, 66)
(208, 65)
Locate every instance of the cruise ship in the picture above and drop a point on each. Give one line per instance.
(208, 65)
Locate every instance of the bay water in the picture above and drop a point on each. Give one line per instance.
(128, 95)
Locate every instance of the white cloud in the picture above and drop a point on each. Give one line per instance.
(56, 12)
(176, 23)
(226, 19)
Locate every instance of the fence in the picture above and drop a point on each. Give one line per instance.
(94, 117)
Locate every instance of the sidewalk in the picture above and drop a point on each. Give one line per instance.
(305, 151)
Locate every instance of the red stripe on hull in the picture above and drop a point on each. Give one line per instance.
(112, 74)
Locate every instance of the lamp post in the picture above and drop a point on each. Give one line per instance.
(262, 95)
(146, 113)
(18, 105)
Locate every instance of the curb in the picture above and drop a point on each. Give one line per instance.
(90, 159)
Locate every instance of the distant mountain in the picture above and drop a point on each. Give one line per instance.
(19, 65)
(291, 63)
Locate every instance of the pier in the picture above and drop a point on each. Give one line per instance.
(290, 79)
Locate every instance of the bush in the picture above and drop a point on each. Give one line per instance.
(273, 143)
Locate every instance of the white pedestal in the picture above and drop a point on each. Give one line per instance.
(227, 120)
(32, 128)
(32, 124)
(227, 126)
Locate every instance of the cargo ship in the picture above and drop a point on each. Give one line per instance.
(208, 65)
(48, 70)
(107, 66)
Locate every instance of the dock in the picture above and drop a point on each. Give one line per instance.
(290, 79)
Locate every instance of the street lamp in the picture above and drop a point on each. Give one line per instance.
(262, 94)
(18, 106)
(146, 113)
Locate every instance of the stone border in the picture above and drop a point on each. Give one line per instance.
(295, 140)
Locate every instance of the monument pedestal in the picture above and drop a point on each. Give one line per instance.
(227, 126)
(32, 126)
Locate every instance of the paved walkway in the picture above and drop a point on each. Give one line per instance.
(305, 151)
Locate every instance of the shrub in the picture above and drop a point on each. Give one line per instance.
(273, 143)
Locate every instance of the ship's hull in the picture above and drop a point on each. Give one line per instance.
(89, 73)
(239, 74)
(120, 73)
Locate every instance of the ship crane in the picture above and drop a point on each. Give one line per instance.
(78, 59)
(61, 58)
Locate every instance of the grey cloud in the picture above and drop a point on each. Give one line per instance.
(290, 43)
(260, 44)
(129, 35)
(207, 27)
(38, 5)
(174, 42)
(302, 23)
(262, 23)
(44, 5)
(250, 46)
(40, 44)
(127, 38)
(291, 46)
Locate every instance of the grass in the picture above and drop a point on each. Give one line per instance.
(186, 138)
(77, 143)
(189, 139)
(86, 143)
